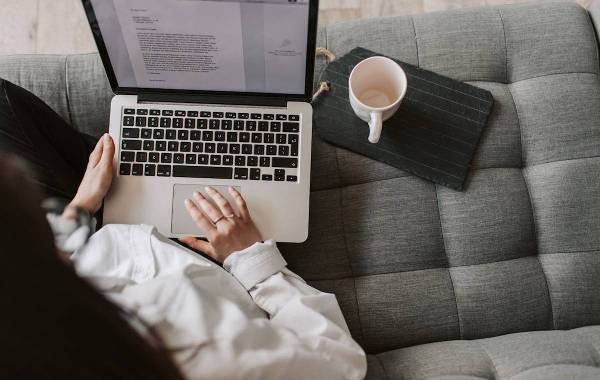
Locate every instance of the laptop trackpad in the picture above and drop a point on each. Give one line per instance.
(181, 221)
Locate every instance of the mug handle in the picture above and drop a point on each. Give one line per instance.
(375, 127)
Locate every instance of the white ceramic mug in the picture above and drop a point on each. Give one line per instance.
(377, 86)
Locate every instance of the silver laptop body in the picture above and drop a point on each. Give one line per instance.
(171, 141)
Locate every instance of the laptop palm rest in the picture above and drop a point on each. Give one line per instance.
(181, 221)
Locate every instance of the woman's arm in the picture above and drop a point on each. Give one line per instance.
(305, 336)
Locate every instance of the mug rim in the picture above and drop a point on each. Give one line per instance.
(390, 106)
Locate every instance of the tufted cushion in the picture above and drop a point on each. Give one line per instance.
(518, 251)
(417, 268)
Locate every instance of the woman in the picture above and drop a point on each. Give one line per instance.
(172, 313)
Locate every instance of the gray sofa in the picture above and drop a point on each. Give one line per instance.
(500, 281)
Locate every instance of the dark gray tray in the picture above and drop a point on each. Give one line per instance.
(433, 135)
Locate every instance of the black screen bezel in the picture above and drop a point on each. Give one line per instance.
(207, 95)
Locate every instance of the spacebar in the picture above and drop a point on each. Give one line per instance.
(202, 171)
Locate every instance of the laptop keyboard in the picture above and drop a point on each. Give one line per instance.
(255, 146)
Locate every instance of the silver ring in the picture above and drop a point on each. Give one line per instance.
(218, 219)
(232, 216)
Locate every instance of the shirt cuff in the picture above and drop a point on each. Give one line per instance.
(255, 263)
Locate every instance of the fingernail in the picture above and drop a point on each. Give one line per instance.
(209, 189)
(106, 137)
(197, 194)
(187, 202)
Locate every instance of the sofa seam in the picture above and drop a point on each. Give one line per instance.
(382, 367)
(537, 247)
(494, 369)
(505, 45)
(596, 37)
(437, 202)
(533, 77)
(67, 90)
(412, 19)
(341, 203)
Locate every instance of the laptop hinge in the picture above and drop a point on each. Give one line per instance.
(214, 99)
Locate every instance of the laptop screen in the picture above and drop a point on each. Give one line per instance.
(251, 46)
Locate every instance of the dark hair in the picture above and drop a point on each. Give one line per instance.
(54, 324)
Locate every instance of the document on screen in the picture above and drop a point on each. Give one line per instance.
(176, 44)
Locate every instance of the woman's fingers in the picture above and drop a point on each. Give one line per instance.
(220, 200)
(108, 150)
(241, 203)
(209, 209)
(198, 244)
(201, 221)
(96, 153)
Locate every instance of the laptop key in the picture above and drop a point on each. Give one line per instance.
(257, 138)
(241, 173)
(231, 137)
(271, 150)
(292, 139)
(163, 170)
(131, 144)
(230, 115)
(128, 121)
(165, 122)
(197, 147)
(267, 177)
(281, 139)
(242, 115)
(153, 122)
(161, 146)
(281, 117)
(268, 116)
(129, 111)
(263, 126)
(215, 159)
(265, 162)
(158, 134)
(284, 162)
(125, 169)
(251, 125)
(196, 135)
(202, 124)
(214, 123)
(177, 122)
(240, 161)
(228, 160)
(190, 159)
(204, 114)
(154, 157)
(218, 115)
(137, 169)
(141, 156)
(226, 125)
(146, 133)
(140, 121)
(221, 148)
(259, 150)
(284, 150)
(190, 123)
(185, 146)
(234, 148)
(269, 138)
(127, 156)
(149, 170)
(165, 158)
(219, 136)
(291, 127)
(252, 161)
(219, 172)
(275, 126)
(246, 148)
(173, 146)
(255, 116)
(202, 159)
(178, 158)
(294, 117)
(142, 111)
(255, 174)
(291, 178)
(294, 150)
(179, 113)
(238, 125)
(244, 137)
(183, 134)
(207, 136)
(192, 113)
(167, 113)
(209, 147)
(279, 175)
(131, 133)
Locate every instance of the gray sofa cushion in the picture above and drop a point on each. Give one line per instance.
(413, 263)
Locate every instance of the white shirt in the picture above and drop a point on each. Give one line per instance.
(254, 319)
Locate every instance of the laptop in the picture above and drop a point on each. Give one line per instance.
(209, 93)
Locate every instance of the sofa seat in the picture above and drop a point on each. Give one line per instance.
(543, 355)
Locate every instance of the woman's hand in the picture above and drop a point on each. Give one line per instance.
(226, 232)
(97, 178)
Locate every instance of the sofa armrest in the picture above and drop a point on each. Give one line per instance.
(75, 86)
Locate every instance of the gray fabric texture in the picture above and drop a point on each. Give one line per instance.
(418, 268)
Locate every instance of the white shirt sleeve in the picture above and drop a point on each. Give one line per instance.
(306, 336)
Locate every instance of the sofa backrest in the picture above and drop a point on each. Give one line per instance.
(412, 262)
